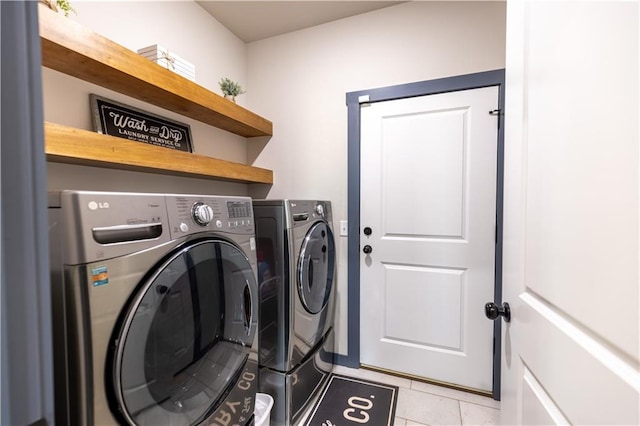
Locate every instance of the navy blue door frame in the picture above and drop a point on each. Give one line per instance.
(431, 87)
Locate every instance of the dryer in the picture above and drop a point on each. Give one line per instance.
(155, 305)
(296, 272)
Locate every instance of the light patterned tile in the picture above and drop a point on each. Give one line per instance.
(399, 422)
(416, 406)
(375, 376)
(341, 369)
(473, 414)
(455, 394)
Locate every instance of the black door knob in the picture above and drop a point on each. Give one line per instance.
(367, 231)
(367, 249)
(493, 311)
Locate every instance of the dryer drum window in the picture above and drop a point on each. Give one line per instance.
(316, 267)
(186, 336)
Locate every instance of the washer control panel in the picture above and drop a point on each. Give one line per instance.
(102, 225)
(202, 213)
(191, 214)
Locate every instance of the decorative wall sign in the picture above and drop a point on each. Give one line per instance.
(115, 119)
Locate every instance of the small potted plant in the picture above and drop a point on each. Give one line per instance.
(57, 5)
(230, 88)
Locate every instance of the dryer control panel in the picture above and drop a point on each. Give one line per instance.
(304, 211)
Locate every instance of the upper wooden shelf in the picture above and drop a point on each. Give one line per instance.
(72, 49)
(74, 146)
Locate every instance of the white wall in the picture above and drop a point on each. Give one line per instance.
(188, 31)
(299, 81)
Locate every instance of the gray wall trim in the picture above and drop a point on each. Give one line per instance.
(27, 378)
(430, 87)
(353, 240)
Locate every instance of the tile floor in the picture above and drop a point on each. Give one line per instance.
(424, 404)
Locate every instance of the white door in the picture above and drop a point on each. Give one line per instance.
(571, 351)
(428, 195)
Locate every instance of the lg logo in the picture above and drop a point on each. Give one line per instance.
(95, 206)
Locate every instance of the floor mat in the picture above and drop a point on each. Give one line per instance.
(346, 400)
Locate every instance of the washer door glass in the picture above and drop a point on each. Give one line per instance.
(316, 267)
(186, 336)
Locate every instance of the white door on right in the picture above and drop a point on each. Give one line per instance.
(428, 213)
(570, 274)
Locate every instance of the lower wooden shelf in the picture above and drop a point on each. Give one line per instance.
(65, 144)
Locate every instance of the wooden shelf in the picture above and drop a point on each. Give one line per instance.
(77, 51)
(69, 145)
(70, 48)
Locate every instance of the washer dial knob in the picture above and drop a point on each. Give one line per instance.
(202, 213)
(320, 209)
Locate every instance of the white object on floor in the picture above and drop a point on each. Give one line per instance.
(262, 410)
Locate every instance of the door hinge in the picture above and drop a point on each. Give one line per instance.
(499, 113)
(364, 101)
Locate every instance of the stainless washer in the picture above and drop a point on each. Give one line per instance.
(296, 272)
(155, 308)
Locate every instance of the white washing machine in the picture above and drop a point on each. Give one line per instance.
(155, 305)
(296, 272)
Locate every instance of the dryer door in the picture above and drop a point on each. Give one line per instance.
(316, 267)
(186, 337)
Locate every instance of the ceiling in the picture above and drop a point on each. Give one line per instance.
(256, 20)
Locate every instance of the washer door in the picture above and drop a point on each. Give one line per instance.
(316, 267)
(186, 337)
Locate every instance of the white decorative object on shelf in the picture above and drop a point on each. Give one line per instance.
(169, 60)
